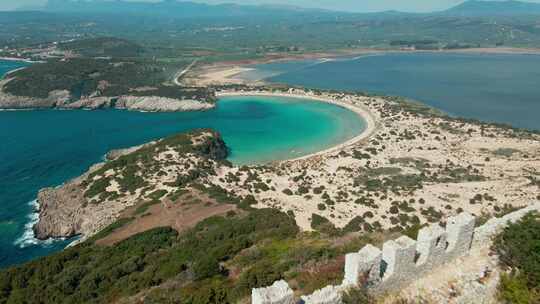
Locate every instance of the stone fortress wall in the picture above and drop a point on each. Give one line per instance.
(401, 261)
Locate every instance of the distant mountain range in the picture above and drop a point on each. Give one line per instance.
(173, 8)
(184, 9)
(494, 8)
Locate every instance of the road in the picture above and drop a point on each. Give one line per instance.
(183, 72)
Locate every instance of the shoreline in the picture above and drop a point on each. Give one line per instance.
(369, 51)
(227, 72)
(370, 120)
(27, 60)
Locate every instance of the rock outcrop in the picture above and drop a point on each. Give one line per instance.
(60, 211)
(62, 99)
(64, 211)
(278, 293)
(9, 101)
(160, 104)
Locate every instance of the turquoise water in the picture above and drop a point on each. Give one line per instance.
(47, 147)
(490, 87)
(6, 66)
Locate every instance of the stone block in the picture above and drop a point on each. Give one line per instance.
(460, 230)
(399, 258)
(327, 295)
(363, 267)
(278, 293)
(431, 247)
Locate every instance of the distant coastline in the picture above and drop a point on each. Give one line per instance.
(367, 51)
(27, 60)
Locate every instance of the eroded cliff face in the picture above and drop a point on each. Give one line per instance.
(59, 211)
(62, 99)
(9, 101)
(87, 204)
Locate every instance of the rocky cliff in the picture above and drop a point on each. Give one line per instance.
(61, 99)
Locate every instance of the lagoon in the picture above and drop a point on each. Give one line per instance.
(500, 88)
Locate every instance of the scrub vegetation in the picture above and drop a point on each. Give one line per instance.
(90, 77)
(217, 261)
(518, 248)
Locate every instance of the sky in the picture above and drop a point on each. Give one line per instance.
(343, 5)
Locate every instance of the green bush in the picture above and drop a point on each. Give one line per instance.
(206, 267)
(89, 273)
(513, 289)
(322, 224)
(261, 274)
(357, 296)
(518, 248)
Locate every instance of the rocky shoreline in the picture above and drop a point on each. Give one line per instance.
(64, 212)
(61, 99)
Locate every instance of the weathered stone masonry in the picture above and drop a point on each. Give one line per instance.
(400, 261)
(278, 293)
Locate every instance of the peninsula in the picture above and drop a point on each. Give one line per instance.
(96, 83)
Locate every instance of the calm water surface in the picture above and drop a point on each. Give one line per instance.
(491, 87)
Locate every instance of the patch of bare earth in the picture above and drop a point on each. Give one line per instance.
(180, 215)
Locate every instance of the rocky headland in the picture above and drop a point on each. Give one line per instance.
(62, 99)
(87, 204)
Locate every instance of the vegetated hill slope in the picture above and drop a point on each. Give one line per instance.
(103, 47)
(86, 78)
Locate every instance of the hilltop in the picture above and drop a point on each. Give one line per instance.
(172, 8)
(494, 8)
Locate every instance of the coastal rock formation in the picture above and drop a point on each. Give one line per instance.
(62, 99)
(160, 104)
(59, 212)
(9, 101)
(89, 203)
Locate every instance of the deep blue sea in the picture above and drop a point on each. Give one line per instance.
(44, 148)
(491, 87)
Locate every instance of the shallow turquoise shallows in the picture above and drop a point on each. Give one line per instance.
(47, 147)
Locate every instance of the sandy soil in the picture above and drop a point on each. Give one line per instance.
(215, 75)
(433, 166)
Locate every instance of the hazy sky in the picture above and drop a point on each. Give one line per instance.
(346, 5)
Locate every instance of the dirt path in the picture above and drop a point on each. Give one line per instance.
(183, 72)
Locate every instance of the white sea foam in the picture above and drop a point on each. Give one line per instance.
(367, 56)
(28, 238)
